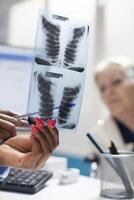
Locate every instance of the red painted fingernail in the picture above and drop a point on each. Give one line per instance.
(39, 122)
(34, 128)
(51, 123)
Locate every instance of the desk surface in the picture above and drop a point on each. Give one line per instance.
(85, 189)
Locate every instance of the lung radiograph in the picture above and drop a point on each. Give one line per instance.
(58, 71)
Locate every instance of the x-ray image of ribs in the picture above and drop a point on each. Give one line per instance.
(51, 44)
(72, 49)
(46, 98)
(69, 95)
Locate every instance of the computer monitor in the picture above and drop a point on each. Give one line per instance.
(15, 69)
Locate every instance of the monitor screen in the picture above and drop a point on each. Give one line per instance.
(15, 69)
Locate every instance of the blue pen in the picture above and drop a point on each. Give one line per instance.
(34, 113)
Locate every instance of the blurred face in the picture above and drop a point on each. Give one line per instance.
(109, 82)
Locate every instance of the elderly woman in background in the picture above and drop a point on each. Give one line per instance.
(115, 80)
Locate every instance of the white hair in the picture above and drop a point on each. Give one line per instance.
(124, 63)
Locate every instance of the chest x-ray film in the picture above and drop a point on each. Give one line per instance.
(58, 71)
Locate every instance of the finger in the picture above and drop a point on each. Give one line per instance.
(7, 112)
(47, 134)
(8, 126)
(43, 139)
(52, 134)
(46, 146)
(16, 122)
(55, 133)
(42, 160)
(38, 155)
(52, 138)
(44, 156)
(4, 135)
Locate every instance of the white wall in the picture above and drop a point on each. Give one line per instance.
(119, 28)
(23, 17)
(113, 35)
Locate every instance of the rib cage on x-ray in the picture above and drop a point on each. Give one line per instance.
(47, 97)
(59, 65)
(72, 48)
(46, 103)
(69, 95)
(52, 45)
(61, 52)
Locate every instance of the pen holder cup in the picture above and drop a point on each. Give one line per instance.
(117, 175)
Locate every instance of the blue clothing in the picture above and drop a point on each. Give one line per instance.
(4, 171)
(126, 133)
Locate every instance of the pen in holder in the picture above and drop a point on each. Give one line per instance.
(116, 177)
(118, 182)
(121, 171)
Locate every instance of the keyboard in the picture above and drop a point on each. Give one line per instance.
(25, 181)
